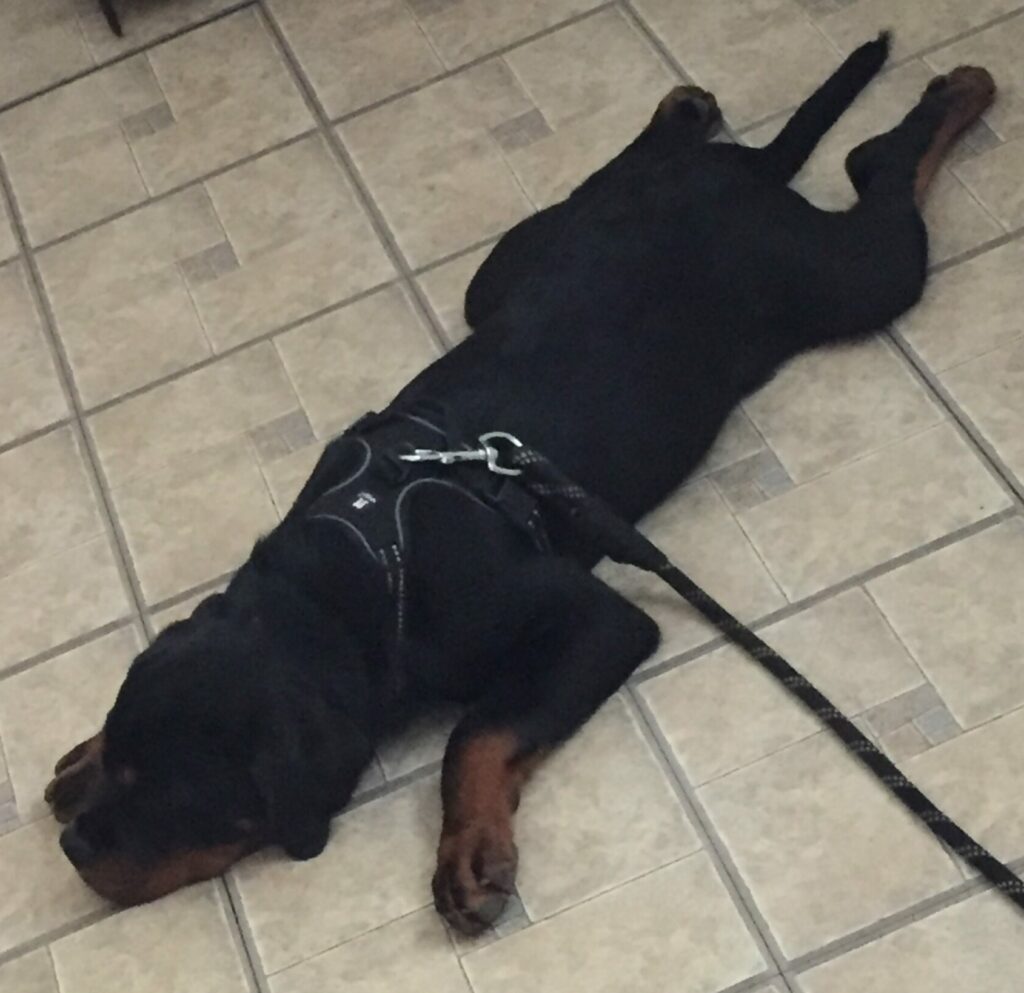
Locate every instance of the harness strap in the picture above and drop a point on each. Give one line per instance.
(597, 522)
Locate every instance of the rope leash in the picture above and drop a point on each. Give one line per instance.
(618, 539)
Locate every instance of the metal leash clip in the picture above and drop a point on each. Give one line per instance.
(486, 453)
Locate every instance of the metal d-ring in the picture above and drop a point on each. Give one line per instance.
(493, 455)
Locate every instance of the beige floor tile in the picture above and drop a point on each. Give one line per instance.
(69, 154)
(8, 243)
(969, 309)
(413, 953)
(359, 52)
(978, 780)
(808, 829)
(833, 406)
(722, 712)
(434, 165)
(182, 942)
(41, 43)
(32, 973)
(989, 390)
(998, 50)
(673, 929)
(230, 95)
(58, 577)
(916, 24)
(180, 611)
(783, 57)
(600, 813)
(722, 561)
(299, 242)
(595, 86)
(287, 475)
(866, 513)
(143, 23)
(462, 30)
(41, 890)
(122, 299)
(196, 518)
(994, 178)
(974, 945)
(230, 399)
(737, 441)
(376, 868)
(47, 709)
(956, 222)
(355, 359)
(445, 288)
(945, 606)
(30, 392)
(420, 744)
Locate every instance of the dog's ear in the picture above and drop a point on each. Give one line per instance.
(304, 777)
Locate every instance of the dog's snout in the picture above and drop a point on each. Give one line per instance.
(78, 849)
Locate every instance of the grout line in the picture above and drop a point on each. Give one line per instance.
(47, 938)
(67, 646)
(973, 253)
(964, 426)
(359, 186)
(852, 582)
(101, 490)
(124, 56)
(242, 932)
(37, 433)
(200, 180)
(472, 63)
(711, 843)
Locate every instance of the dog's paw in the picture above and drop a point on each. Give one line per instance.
(476, 871)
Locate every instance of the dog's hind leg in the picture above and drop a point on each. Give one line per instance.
(784, 157)
(579, 641)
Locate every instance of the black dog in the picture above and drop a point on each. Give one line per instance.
(615, 332)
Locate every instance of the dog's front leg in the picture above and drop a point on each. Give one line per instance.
(578, 641)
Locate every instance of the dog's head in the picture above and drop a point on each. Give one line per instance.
(220, 741)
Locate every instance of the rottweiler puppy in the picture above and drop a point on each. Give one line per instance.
(615, 332)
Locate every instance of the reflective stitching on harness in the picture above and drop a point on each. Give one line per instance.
(344, 520)
(367, 456)
(439, 482)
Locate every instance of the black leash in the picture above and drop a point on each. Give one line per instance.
(618, 539)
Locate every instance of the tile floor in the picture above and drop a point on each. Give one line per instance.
(227, 235)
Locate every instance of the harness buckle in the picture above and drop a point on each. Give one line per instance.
(486, 453)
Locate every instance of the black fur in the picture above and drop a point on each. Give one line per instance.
(614, 332)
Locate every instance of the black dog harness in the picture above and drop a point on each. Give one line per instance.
(518, 480)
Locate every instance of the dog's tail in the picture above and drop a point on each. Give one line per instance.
(787, 154)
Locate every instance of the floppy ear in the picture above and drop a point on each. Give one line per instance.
(304, 779)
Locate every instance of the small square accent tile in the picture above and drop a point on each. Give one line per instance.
(462, 30)
(30, 392)
(381, 852)
(955, 220)
(783, 56)
(781, 818)
(48, 709)
(355, 359)
(299, 242)
(230, 94)
(147, 122)
(32, 973)
(209, 264)
(445, 289)
(937, 725)
(676, 928)
(42, 892)
(872, 510)
(904, 743)
(969, 309)
(737, 442)
(412, 953)
(722, 712)
(357, 53)
(722, 561)
(280, 438)
(122, 305)
(521, 131)
(181, 942)
(974, 945)
(596, 83)
(58, 577)
(599, 813)
(903, 709)
(753, 480)
(960, 611)
(436, 172)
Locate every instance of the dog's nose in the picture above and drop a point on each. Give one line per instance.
(77, 848)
